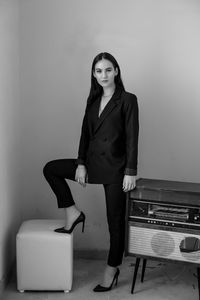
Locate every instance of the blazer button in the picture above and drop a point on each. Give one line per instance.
(102, 153)
(105, 139)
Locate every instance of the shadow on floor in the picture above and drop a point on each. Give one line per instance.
(162, 281)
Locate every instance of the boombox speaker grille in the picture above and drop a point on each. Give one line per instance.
(162, 244)
(159, 243)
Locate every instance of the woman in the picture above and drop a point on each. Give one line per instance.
(107, 155)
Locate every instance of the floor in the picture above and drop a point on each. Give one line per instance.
(163, 281)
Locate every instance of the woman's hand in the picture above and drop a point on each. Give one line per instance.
(129, 183)
(81, 175)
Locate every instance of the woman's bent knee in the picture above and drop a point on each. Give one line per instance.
(48, 168)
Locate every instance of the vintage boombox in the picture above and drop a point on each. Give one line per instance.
(163, 220)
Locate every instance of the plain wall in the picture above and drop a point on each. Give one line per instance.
(157, 45)
(10, 205)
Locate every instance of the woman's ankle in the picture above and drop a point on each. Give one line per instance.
(71, 214)
(110, 270)
(109, 273)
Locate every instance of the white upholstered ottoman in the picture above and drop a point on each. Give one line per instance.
(44, 257)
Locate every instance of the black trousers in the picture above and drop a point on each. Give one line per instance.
(57, 171)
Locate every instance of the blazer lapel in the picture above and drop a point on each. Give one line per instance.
(108, 109)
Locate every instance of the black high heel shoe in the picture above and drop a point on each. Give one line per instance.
(80, 219)
(100, 288)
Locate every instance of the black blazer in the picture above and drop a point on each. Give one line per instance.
(109, 144)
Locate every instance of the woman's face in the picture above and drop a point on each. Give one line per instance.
(105, 73)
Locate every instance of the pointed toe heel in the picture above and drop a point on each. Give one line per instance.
(59, 229)
(80, 219)
(100, 288)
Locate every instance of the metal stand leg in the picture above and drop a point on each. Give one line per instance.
(135, 274)
(198, 278)
(143, 269)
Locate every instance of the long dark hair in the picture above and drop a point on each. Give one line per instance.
(96, 90)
